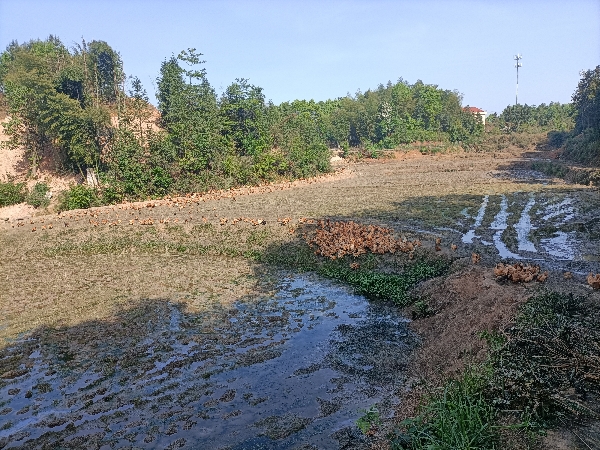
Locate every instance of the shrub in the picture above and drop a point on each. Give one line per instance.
(12, 193)
(37, 197)
(584, 147)
(548, 364)
(557, 138)
(78, 197)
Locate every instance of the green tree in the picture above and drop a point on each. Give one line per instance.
(586, 100)
(48, 100)
(246, 118)
(190, 112)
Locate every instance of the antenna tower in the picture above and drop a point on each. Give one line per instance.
(518, 64)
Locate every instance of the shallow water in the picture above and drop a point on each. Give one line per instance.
(550, 230)
(524, 227)
(468, 237)
(560, 246)
(500, 224)
(294, 369)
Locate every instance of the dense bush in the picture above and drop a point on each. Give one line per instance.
(548, 364)
(78, 197)
(38, 196)
(12, 193)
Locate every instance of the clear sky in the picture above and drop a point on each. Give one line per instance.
(325, 49)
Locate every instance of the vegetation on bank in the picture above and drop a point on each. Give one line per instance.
(78, 106)
(541, 371)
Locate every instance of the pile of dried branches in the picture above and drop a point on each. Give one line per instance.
(519, 273)
(338, 239)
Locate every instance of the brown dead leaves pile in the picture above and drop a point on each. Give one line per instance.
(594, 280)
(520, 273)
(338, 239)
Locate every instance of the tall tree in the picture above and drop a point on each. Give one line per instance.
(190, 111)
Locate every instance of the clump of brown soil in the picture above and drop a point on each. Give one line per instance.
(465, 304)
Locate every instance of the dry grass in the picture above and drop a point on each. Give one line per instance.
(95, 264)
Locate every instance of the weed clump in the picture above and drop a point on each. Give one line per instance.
(548, 363)
(12, 193)
(38, 196)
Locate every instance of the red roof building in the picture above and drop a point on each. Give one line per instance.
(474, 110)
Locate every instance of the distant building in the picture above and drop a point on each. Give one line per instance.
(479, 112)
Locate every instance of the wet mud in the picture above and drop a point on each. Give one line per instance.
(292, 370)
(551, 228)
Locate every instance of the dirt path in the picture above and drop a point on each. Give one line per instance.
(96, 302)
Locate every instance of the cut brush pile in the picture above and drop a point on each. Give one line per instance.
(338, 239)
(519, 273)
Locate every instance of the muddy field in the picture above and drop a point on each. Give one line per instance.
(155, 325)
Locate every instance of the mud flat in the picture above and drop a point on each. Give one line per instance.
(293, 369)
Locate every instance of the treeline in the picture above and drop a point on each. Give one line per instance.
(574, 126)
(527, 118)
(583, 143)
(77, 104)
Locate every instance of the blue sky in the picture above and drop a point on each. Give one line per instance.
(320, 50)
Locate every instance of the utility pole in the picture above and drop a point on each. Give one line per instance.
(517, 58)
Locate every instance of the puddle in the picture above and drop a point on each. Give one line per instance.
(295, 369)
(524, 227)
(500, 224)
(560, 246)
(558, 209)
(468, 237)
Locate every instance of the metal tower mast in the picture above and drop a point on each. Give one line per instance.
(517, 58)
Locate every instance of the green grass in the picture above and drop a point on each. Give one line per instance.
(456, 417)
(368, 280)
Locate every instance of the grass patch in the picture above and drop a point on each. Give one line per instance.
(457, 416)
(368, 280)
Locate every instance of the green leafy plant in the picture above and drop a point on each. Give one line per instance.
(38, 196)
(12, 193)
(384, 286)
(421, 309)
(78, 197)
(369, 421)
